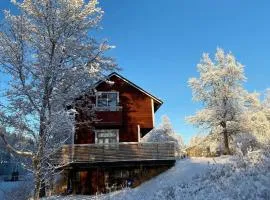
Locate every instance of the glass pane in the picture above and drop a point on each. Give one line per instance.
(107, 136)
(102, 101)
(112, 99)
(112, 140)
(100, 141)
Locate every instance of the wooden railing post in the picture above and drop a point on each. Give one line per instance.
(72, 155)
(103, 152)
(139, 151)
(157, 157)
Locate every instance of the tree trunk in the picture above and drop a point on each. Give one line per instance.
(226, 142)
(37, 187)
(39, 191)
(36, 165)
(42, 189)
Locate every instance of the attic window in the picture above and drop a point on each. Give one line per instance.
(107, 100)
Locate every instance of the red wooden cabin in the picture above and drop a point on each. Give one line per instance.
(110, 155)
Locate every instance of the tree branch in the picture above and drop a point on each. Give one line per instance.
(12, 149)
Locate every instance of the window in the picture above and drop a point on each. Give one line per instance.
(107, 100)
(107, 136)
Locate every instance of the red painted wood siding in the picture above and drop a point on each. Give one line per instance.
(109, 118)
(136, 110)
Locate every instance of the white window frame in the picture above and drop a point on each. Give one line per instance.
(97, 131)
(107, 107)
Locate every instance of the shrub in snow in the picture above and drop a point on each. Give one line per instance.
(165, 133)
(245, 142)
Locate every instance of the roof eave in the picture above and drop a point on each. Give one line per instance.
(159, 101)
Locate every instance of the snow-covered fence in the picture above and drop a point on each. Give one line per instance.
(127, 151)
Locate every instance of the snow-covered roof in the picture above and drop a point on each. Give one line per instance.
(132, 84)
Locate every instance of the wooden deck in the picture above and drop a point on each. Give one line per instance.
(110, 153)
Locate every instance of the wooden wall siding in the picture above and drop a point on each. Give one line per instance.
(137, 108)
(97, 181)
(109, 118)
(85, 181)
(84, 135)
(93, 153)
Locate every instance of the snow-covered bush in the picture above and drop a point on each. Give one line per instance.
(165, 133)
(258, 124)
(245, 142)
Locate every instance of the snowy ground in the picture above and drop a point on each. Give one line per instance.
(224, 178)
(16, 190)
(6, 187)
(182, 172)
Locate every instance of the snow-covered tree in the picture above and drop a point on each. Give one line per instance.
(219, 89)
(50, 58)
(196, 140)
(257, 118)
(266, 103)
(164, 133)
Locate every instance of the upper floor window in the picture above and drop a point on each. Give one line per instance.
(107, 100)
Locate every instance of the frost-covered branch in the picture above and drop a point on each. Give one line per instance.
(12, 149)
(48, 54)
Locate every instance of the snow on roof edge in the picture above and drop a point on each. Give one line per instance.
(132, 84)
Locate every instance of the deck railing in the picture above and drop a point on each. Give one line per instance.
(128, 151)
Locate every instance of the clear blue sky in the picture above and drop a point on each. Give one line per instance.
(159, 44)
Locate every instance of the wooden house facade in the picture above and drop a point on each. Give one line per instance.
(108, 155)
